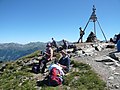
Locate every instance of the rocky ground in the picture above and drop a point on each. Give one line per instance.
(103, 58)
(104, 61)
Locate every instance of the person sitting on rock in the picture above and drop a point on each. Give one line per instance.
(65, 44)
(47, 57)
(64, 61)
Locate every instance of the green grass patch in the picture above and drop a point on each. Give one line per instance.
(14, 79)
(81, 66)
(17, 81)
(35, 54)
(85, 79)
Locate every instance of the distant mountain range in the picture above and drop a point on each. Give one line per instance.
(13, 51)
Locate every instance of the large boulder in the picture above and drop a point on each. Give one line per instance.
(91, 37)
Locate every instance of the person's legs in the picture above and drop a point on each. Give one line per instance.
(42, 64)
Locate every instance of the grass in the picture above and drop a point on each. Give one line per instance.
(18, 77)
(81, 79)
(85, 79)
(35, 54)
(14, 79)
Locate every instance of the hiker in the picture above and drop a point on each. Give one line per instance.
(118, 45)
(65, 44)
(116, 38)
(64, 61)
(47, 57)
(81, 34)
(54, 44)
(55, 76)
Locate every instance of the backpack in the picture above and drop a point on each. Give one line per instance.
(36, 68)
(54, 78)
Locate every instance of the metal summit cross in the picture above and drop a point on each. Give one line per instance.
(93, 18)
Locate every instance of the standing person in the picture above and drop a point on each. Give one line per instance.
(48, 57)
(64, 62)
(115, 39)
(65, 44)
(54, 43)
(81, 34)
(118, 44)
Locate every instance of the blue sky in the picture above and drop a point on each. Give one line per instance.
(24, 21)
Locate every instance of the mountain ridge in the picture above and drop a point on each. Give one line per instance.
(13, 51)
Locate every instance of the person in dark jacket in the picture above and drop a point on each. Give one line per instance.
(54, 44)
(65, 44)
(118, 45)
(64, 61)
(81, 34)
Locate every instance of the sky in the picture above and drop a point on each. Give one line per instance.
(24, 21)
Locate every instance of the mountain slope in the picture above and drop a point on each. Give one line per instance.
(13, 51)
(80, 77)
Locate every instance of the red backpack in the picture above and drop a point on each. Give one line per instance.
(54, 78)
